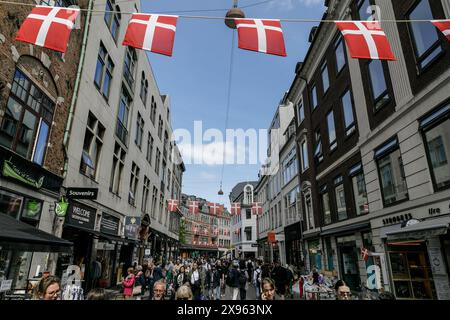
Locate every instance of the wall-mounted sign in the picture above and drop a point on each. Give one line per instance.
(132, 225)
(109, 224)
(61, 207)
(5, 285)
(271, 237)
(82, 193)
(13, 171)
(81, 216)
(32, 209)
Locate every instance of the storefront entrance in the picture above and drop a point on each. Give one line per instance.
(411, 271)
(348, 261)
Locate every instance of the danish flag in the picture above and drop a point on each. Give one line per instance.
(48, 27)
(365, 254)
(172, 205)
(213, 208)
(264, 36)
(151, 32)
(193, 207)
(235, 208)
(366, 40)
(444, 26)
(256, 208)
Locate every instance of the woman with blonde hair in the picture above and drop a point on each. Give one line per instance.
(184, 293)
(268, 289)
(48, 288)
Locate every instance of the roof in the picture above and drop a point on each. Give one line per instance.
(237, 190)
(17, 235)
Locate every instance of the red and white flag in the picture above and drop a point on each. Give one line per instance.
(48, 27)
(256, 208)
(264, 36)
(444, 26)
(365, 254)
(366, 40)
(235, 208)
(213, 208)
(193, 207)
(172, 205)
(151, 32)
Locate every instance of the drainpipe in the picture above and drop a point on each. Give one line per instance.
(77, 86)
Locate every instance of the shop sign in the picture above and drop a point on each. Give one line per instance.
(147, 252)
(132, 225)
(61, 207)
(82, 193)
(81, 216)
(5, 285)
(271, 237)
(109, 224)
(13, 171)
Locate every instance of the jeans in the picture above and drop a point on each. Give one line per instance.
(217, 293)
(235, 293)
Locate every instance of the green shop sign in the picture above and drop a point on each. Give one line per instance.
(12, 171)
(61, 207)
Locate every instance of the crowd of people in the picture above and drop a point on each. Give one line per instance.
(203, 278)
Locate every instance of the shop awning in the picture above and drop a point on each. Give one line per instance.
(346, 228)
(19, 236)
(422, 230)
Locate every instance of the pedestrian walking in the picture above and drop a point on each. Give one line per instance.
(257, 279)
(243, 280)
(268, 289)
(194, 278)
(216, 278)
(48, 288)
(184, 293)
(233, 279)
(342, 291)
(128, 284)
(279, 275)
(159, 290)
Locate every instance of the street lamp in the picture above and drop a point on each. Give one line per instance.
(234, 12)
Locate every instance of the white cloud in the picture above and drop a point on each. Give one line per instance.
(208, 176)
(209, 154)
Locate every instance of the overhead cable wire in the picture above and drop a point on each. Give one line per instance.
(225, 18)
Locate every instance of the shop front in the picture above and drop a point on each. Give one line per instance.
(79, 228)
(293, 245)
(314, 254)
(348, 253)
(417, 253)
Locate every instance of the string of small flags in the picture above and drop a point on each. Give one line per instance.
(50, 27)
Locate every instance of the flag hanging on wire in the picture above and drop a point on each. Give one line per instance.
(443, 26)
(48, 27)
(151, 32)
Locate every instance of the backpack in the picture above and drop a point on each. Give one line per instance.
(242, 279)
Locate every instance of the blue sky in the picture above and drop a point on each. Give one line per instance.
(196, 76)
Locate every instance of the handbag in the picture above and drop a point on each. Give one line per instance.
(137, 290)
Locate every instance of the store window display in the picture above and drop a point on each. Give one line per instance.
(411, 272)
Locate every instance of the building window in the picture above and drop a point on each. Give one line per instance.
(248, 233)
(364, 9)
(112, 19)
(318, 153)
(139, 130)
(122, 117)
(150, 142)
(145, 193)
(331, 131)
(28, 117)
(301, 112)
(248, 194)
(158, 161)
(134, 180)
(326, 209)
(129, 66)
(325, 78)
(92, 146)
(153, 111)
(340, 198)
(378, 85)
(424, 36)
(305, 161)
(392, 175)
(160, 127)
(117, 169)
(347, 106)
(290, 169)
(359, 190)
(436, 129)
(154, 201)
(248, 214)
(161, 206)
(314, 99)
(103, 71)
(144, 89)
(341, 59)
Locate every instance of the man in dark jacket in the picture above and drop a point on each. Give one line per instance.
(280, 276)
